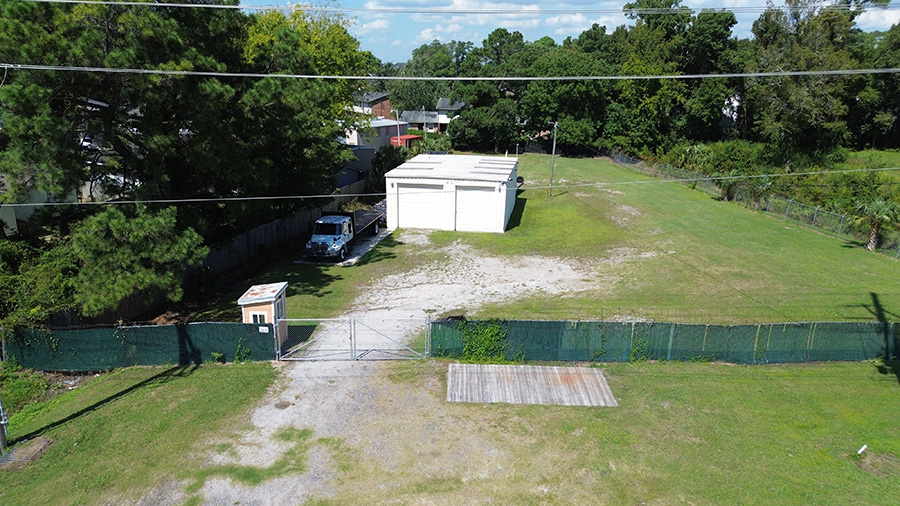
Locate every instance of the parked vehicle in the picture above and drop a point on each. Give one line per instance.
(334, 233)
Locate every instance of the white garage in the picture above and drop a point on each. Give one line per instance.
(452, 192)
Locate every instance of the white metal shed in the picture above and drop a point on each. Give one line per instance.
(452, 192)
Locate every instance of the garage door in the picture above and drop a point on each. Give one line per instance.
(476, 209)
(421, 206)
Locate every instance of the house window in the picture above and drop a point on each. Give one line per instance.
(258, 318)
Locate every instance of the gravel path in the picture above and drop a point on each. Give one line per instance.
(379, 420)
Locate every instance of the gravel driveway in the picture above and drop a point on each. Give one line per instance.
(382, 422)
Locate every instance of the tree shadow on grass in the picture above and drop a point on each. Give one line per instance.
(891, 339)
(384, 250)
(163, 377)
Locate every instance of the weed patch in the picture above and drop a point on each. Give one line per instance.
(292, 461)
(484, 341)
(19, 387)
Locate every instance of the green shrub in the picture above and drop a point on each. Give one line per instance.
(19, 387)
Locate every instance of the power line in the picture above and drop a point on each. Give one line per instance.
(202, 73)
(196, 200)
(730, 178)
(449, 10)
(382, 194)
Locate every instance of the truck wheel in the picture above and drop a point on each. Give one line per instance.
(343, 254)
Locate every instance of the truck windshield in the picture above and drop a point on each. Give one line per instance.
(327, 229)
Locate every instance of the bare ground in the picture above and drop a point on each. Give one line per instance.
(381, 423)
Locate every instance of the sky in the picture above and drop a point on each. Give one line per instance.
(391, 37)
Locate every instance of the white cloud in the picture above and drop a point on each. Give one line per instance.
(567, 20)
(377, 25)
(397, 43)
(426, 35)
(878, 19)
(452, 28)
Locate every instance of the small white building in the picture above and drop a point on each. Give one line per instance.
(470, 193)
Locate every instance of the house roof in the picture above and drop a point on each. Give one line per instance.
(496, 169)
(383, 122)
(374, 96)
(262, 293)
(445, 105)
(419, 116)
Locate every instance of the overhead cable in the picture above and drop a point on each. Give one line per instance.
(519, 11)
(202, 73)
(382, 194)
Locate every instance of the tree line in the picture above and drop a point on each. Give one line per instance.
(722, 127)
(803, 119)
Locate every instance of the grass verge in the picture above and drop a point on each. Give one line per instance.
(694, 433)
(124, 432)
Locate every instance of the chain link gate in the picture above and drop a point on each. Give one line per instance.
(352, 339)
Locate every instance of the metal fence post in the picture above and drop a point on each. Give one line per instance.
(786, 211)
(427, 336)
(352, 338)
(815, 214)
(278, 338)
(3, 423)
(841, 227)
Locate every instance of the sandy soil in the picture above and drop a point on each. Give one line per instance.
(352, 400)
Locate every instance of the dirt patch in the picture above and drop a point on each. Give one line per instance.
(23, 454)
(885, 466)
(463, 278)
(623, 214)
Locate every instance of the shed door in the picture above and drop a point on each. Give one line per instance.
(476, 209)
(421, 206)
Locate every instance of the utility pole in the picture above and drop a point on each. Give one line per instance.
(397, 115)
(552, 162)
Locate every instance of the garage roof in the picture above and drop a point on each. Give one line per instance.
(466, 167)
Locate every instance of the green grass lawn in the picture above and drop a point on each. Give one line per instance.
(124, 432)
(695, 433)
(709, 261)
(701, 260)
(683, 433)
(872, 158)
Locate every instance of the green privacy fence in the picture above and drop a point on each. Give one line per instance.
(97, 349)
(585, 341)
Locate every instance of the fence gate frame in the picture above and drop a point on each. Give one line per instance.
(352, 350)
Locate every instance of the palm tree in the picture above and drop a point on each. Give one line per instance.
(876, 214)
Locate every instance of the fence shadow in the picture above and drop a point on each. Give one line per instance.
(164, 376)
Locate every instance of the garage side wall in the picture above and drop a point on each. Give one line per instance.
(510, 190)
